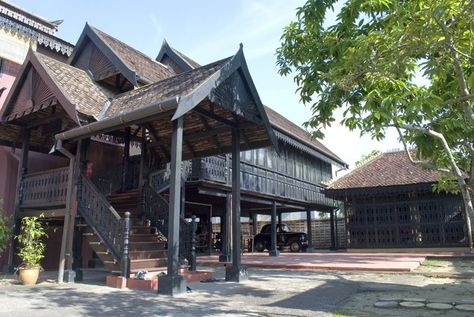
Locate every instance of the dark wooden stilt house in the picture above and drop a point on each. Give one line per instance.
(148, 144)
(390, 203)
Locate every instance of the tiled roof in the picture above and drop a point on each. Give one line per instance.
(188, 60)
(387, 169)
(76, 85)
(145, 67)
(286, 126)
(178, 85)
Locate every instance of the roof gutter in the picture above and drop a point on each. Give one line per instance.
(124, 118)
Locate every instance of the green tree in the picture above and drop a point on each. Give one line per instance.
(367, 157)
(367, 64)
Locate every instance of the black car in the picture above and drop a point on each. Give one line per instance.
(296, 241)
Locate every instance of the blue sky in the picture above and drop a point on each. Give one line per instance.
(207, 30)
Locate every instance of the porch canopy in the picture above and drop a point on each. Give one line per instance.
(213, 100)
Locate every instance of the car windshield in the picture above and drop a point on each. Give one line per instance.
(284, 228)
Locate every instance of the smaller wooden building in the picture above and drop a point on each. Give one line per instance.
(390, 203)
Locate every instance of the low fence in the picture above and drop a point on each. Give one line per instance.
(320, 229)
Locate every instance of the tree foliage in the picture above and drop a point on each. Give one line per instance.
(368, 64)
(5, 229)
(367, 157)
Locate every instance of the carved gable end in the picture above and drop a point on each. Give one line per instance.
(33, 95)
(234, 94)
(93, 60)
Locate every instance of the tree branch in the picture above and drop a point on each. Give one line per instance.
(463, 90)
(454, 166)
(425, 164)
(456, 100)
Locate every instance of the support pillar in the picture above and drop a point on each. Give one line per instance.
(333, 235)
(236, 272)
(226, 234)
(172, 283)
(126, 160)
(279, 218)
(274, 249)
(254, 229)
(143, 175)
(66, 273)
(310, 231)
(22, 170)
(336, 237)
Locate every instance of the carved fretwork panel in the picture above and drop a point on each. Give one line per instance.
(93, 60)
(234, 95)
(424, 220)
(101, 66)
(34, 95)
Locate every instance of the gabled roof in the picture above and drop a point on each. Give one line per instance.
(287, 131)
(201, 87)
(68, 84)
(23, 23)
(183, 61)
(290, 129)
(133, 64)
(387, 169)
(172, 87)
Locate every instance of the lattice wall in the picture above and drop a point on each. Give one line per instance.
(411, 220)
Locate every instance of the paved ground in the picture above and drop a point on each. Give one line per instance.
(375, 262)
(267, 293)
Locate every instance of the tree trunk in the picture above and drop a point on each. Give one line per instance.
(468, 209)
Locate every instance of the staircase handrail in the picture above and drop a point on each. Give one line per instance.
(109, 226)
(154, 208)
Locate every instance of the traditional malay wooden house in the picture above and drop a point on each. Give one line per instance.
(147, 143)
(390, 203)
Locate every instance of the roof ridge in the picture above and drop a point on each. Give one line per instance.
(170, 78)
(121, 42)
(364, 164)
(315, 143)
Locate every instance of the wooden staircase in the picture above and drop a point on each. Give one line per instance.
(147, 245)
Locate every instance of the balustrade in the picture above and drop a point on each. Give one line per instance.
(44, 189)
(253, 178)
(101, 217)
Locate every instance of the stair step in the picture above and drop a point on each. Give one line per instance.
(146, 246)
(143, 237)
(149, 254)
(142, 229)
(147, 263)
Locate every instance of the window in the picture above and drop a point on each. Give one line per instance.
(270, 156)
(247, 156)
(261, 157)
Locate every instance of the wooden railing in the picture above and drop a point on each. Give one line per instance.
(260, 179)
(263, 180)
(101, 217)
(160, 180)
(44, 189)
(154, 208)
(213, 168)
